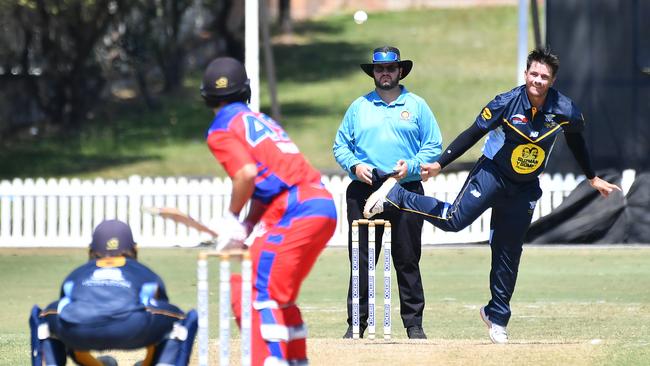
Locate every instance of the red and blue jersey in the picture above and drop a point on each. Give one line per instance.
(239, 136)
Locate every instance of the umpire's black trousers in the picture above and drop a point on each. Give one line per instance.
(406, 247)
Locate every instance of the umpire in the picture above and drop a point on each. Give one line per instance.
(388, 123)
(112, 302)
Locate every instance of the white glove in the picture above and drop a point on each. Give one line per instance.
(232, 233)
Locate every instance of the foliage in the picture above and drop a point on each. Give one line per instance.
(62, 59)
(49, 48)
(463, 57)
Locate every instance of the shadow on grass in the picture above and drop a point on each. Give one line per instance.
(298, 112)
(318, 61)
(45, 163)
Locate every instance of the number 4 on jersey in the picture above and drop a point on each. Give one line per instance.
(258, 129)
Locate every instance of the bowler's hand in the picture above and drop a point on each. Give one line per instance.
(364, 173)
(429, 170)
(602, 186)
(402, 169)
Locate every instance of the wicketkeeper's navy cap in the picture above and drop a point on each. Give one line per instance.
(112, 238)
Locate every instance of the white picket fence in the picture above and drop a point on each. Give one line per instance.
(63, 212)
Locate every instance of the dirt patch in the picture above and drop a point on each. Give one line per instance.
(424, 352)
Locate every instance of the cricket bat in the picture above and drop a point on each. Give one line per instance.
(176, 215)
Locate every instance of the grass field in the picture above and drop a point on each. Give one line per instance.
(573, 306)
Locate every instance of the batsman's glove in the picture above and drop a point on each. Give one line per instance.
(232, 233)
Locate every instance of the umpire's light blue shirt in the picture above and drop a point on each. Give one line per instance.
(379, 134)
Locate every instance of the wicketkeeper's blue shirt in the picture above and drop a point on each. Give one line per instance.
(379, 134)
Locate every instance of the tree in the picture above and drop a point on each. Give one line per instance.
(284, 16)
(52, 50)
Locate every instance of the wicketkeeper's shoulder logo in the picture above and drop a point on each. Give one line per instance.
(527, 158)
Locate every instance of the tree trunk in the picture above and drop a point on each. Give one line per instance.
(284, 17)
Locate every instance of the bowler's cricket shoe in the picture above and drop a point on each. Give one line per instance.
(498, 333)
(375, 203)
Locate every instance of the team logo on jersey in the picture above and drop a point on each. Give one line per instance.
(549, 121)
(221, 83)
(518, 119)
(531, 207)
(486, 114)
(405, 115)
(527, 158)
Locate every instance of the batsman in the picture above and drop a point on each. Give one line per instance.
(294, 213)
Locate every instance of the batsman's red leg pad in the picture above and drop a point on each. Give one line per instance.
(297, 347)
(235, 296)
(269, 335)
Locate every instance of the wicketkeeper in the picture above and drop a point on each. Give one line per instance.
(111, 302)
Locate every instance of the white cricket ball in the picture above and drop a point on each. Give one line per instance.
(360, 17)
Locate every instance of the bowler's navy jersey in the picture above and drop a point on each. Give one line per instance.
(520, 137)
(108, 289)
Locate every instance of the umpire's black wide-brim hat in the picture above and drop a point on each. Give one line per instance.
(387, 55)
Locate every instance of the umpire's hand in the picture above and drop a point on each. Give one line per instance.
(364, 173)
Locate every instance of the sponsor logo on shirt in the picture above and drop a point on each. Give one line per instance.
(527, 158)
(518, 119)
(107, 277)
(486, 114)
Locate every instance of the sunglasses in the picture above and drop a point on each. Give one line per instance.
(385, 56)
(390, 68)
